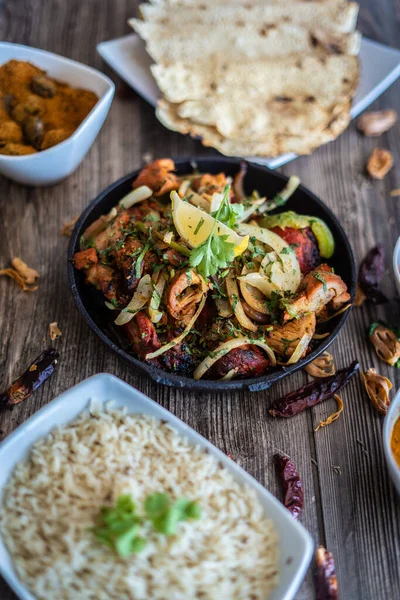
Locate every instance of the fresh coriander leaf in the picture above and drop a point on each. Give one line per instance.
(193, 510)
(321, 278)
(123, 543)
(213, 254)
(125, 503)
(228, 213)
(138, 544)
(168, 522)
(156, 503)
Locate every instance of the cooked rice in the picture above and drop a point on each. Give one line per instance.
(52, 499)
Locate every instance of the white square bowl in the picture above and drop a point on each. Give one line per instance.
(51, 166)
(396, 264)
(392, 415)
(296, 545)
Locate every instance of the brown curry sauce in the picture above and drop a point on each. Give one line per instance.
(36, 111)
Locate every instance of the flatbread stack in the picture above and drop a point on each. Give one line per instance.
(254, 77)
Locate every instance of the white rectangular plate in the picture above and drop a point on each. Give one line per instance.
(380, 67)
(296, 545)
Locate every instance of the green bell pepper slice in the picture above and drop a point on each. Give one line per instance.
(320, 229)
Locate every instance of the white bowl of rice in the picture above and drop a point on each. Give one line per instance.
(82, 452)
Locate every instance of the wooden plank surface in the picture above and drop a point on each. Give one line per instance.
(355, 513)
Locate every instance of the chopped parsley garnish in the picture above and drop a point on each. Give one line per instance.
(138, 266)
(220, 293)
(321, 278)
(86, 243)
(120, 527)
(199, 226)
(274, 306)
(289, 249)
(235, 301)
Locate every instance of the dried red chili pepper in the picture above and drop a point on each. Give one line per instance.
(325, 580)
(370, 274)
(293, 498)
(312, 393)
(31, 379)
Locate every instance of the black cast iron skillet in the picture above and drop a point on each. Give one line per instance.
(90, 303)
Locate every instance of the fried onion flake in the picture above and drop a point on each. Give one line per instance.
(334, 416)
(378, 389)
(23, 275)
(54, 331)
(68, 227)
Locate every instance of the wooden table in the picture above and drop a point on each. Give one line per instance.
(351, 506)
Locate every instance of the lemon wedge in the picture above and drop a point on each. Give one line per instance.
(194, 225)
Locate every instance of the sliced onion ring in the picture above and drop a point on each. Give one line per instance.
(336, 314)
(261, 282)
(321, 336)
(194, 198)
(230, 375)
(141, 296)
(234, 299)
(216, 201)
(180, 337)
(300, 348)
(141, 193)
(250, 210)
(252, 295)
(99, 224)
(159, 285)
(183, 188)
(226, 347)
(285, 273)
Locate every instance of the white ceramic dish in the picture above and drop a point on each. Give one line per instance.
(53, 165)
(296, 545)
(390, 419)
(396, 264)
(380, 67)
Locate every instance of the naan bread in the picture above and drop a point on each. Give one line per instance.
(333, 15)
(301, 97)
(240, 41)
(252, 77)
(328, 78)
(272, 146)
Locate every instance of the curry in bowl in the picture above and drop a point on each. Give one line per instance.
(37, 112)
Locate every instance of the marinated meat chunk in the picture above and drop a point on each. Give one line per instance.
(283, 339)
(159, 177)
(247, 361)
(177, 360)
(85, 258)
(208, 184)
(184, 293)
(142, 335)
(318, 288)
(305, 245)
(113, 232)
(105, 279)
(126, 258)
